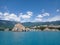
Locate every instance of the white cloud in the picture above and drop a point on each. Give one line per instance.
(55, 18)
(38, 19)
(10, 17)
(1, 13)
(45, 14)
(29, 13)
(28, 16)
(14, 17)
(6, 14)
(57, 10)
(25, 16)
(39, 16)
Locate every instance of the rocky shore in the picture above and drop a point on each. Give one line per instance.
(20, 28)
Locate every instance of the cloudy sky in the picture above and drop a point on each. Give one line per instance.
(30, 10)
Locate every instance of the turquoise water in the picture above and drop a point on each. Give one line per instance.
(30, 38)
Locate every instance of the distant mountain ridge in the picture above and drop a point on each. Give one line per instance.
(7, 24)
(31, 24)
(10, 24)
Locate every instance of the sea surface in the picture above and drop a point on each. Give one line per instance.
(30, 38)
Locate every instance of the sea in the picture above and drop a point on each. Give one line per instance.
(30, 38)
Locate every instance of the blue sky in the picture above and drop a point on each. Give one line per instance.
(30, 10)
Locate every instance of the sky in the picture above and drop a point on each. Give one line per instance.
(30, 10)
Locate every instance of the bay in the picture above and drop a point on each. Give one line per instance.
(30, 38)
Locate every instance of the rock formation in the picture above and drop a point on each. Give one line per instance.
(18, 27)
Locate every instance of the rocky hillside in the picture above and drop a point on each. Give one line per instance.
(6, 24)
(10, 24)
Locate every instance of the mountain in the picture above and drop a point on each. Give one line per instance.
(10, 24)
(31, 24)
(7, 24)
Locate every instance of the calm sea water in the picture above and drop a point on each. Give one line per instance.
(30, 38)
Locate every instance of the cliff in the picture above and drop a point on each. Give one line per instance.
(18, 27)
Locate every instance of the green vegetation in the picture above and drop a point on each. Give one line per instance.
(39, 25)
(41, 28)
(6, 24)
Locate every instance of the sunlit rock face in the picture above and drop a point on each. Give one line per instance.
(18, 27)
